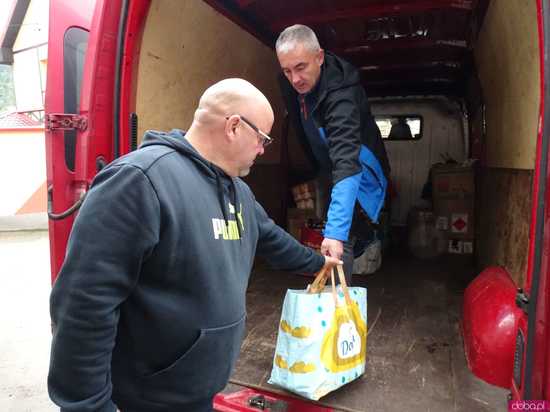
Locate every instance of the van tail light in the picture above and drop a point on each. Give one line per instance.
(490, 319)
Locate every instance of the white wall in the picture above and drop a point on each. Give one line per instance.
(410, 161)
(29, 50)
(34, 29)
(22, 168)
(27, 79)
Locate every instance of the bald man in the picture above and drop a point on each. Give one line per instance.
(149, 306)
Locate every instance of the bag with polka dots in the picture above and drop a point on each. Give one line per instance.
(321, 343)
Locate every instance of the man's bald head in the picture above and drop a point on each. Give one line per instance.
(228, 97)
(219, 131)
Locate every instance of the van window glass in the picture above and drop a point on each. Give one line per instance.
(400, 127)
(74, 50)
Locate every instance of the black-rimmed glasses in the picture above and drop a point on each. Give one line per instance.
(265, 139)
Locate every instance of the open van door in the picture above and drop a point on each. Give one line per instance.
(83, 44)
(64, 121)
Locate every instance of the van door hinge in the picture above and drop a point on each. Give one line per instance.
(522, 300)
(65, 121)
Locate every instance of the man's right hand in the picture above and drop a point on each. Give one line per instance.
(332, 247)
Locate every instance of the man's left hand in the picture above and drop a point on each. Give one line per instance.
(332, 247)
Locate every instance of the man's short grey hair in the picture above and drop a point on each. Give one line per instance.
(294, 35)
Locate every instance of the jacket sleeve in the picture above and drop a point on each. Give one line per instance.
(281, 250)
(340, 211)
(343, 131)
(115, 231)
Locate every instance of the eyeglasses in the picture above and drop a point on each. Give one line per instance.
(264, 138)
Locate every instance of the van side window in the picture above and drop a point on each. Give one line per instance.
(75, 44)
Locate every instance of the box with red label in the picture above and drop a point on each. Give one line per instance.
(453, 198)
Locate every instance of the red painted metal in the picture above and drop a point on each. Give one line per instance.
(541, 359)
(372, 10)
(536, 175)
(96, 103)
(246, 22)
(376, 32)
(239, 402)
(489, 325)
(391, 45)
(245, 3)
(97, 91)
(63, 15)
(132, 45)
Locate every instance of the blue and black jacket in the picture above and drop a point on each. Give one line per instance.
(339, 135)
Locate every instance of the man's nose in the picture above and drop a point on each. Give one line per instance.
(294, 78)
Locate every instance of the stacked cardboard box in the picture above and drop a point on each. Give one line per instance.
(453, 201)
(304, 195)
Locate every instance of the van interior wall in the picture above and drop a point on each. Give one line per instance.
(186, 47)
(411, 160)
(507, 61)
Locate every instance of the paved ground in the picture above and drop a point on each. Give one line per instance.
(25, 335)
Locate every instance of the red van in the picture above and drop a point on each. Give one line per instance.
(467, 330)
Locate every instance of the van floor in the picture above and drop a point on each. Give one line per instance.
(415, 357)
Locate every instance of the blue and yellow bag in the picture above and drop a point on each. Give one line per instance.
(322, 339)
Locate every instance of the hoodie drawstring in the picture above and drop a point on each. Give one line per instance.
(236, 203)
(221, 199)
(234, 199)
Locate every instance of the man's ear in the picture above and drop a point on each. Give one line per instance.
(231, 127)
(321, 57)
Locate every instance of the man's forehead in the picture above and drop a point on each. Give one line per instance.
(296, 55)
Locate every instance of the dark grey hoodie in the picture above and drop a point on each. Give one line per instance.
(149, 305)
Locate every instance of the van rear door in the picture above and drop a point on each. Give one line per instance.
(68, 42)
(79, 107)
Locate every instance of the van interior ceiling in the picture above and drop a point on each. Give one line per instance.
(465, 75)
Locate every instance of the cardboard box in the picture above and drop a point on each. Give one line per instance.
(304, 191)
(453, 191)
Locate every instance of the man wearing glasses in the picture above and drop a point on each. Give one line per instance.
(149, 307)
(331, 116)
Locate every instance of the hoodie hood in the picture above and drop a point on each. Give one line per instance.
(175, 139)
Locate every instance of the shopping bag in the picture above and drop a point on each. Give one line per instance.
(321, 343)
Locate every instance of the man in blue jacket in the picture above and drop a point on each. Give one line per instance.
(149, 306)
(331, 115)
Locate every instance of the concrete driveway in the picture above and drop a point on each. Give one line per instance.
(25, 323)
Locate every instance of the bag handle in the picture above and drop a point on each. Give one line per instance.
(343, 284)
(319, 282)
